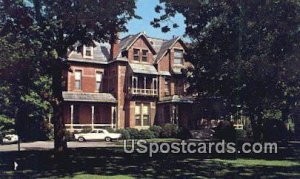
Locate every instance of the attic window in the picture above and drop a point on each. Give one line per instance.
(144, 55)
(178, 57)
(87, 52)
(136, 54)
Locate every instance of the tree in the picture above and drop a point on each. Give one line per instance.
(49, 28)
(244, 52)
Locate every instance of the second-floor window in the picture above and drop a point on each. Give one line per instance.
(136, 54)
(167, 86)
(178, 57)
(78, 79)
(98, 81)
(144, 55)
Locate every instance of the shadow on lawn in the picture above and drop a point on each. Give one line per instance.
(112, 161)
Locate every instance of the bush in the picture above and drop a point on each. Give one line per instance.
(156, 130)
(184, 133)
(274, 130)
(111, 130)
(241, 134)
(69, 136)
(146, 134)
(225, 131)
(169, 130)
(134, 133)
(124, 133)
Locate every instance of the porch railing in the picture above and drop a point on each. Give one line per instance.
(144, 92)
(79, 127)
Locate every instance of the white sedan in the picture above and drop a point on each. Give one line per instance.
(10, 139)
(97, 134)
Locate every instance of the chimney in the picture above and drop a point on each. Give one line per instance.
(115, 46)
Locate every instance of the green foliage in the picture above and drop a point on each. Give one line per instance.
(124, 132)
(169, 131)
(156, 130)
(6, 124)
(133, 133)
(146, 134)
(245, 53)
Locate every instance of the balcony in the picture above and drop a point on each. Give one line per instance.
(143, 92)
(143, 86)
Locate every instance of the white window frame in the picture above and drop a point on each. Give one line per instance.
(80, 80)
(99, 81)
(85, 49)
(182, 58)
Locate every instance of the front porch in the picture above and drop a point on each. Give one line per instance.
(89, 111)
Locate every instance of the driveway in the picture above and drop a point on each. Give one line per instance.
(47, 145)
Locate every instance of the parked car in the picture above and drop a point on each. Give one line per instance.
(97, 134)
(10, 139)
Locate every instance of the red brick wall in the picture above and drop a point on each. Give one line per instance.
(140, 44)
(88, 79)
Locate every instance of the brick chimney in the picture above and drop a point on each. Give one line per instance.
(115, 46)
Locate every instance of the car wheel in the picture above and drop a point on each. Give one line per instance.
(81, 139)
(107, 139)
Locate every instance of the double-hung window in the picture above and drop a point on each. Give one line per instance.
(144, 55)
(142, 114)
(136, 54)
(178, 57)
(78, 74)
(98, 81)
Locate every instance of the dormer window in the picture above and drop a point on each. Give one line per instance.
(87, 52)
(136, 56)
(144, 55)
(178, 57)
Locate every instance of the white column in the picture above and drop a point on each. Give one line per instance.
(145, 84)
(93, 116)
(72, 118)
(112, 117)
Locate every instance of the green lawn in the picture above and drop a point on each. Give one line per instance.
(114, 163)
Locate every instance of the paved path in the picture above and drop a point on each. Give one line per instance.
(46, 145)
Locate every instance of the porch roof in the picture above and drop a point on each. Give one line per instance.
(143, 69)
(89, 97)
(177, 99)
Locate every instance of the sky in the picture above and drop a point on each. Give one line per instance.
(145, 9)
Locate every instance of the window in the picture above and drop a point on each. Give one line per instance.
(78, 79)
(142, 114)
(88, 52)
(146, 116)
(144, 55)
(136, 53)
(98, 81)
(178, 57)
(138, 121)
(167, 86)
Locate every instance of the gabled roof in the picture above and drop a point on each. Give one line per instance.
(128, 41)
(166, 46)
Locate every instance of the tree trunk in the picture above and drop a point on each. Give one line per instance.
(60, 143)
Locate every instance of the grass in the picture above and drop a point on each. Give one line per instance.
(256, 162)
(114, 163)
(89, 176)
(158, 140)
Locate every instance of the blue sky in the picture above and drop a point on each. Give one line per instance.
(145, 9)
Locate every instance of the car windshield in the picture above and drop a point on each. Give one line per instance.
(94, 131)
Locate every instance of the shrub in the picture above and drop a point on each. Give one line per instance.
(184, 133)
(169, 130)
(146, 134)
(225, 131)
(134, 133)
(156, 130)
(274, 130)
(241, 134)
(124, 133)
(69, 136)
(111, 130)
